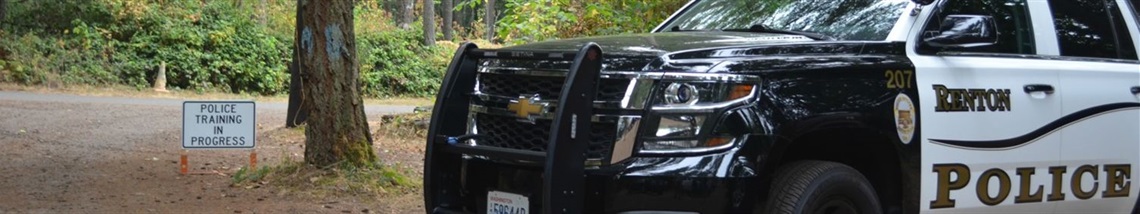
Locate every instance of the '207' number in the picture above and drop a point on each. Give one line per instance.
(899, 79)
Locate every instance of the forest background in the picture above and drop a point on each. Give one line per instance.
(245, 46)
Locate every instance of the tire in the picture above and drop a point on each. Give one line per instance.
(821, 187)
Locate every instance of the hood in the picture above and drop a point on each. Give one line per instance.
(657, 44)
(633, 52)
(705, 52)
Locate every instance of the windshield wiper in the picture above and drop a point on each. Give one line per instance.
(760, 28)
(677, 28)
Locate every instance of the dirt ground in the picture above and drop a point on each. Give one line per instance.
(120, 155)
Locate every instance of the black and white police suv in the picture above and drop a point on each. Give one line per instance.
(803, 106)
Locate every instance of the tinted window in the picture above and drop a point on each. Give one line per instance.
(1135, 8)
(1014, 30)
(1091, 28)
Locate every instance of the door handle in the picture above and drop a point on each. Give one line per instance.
(1048, 89)
(1135, 90)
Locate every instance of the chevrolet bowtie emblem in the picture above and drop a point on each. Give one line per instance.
(526, 107)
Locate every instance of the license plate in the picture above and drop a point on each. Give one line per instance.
(506, 203)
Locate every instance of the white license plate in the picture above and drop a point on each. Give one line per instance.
(506, 203)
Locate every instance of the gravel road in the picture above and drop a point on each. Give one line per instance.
(72, 154)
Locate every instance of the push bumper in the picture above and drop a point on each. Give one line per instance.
(458, 176)
(714, 183)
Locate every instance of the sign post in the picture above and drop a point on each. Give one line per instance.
(218, 125)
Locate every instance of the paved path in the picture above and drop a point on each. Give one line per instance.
(371, 110)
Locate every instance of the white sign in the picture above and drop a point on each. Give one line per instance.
(218, 124)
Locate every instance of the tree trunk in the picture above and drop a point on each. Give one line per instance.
(490, 18)
(407, 14)
(298, 110)
(263, 12)
(448, 16)
(337, 131)
(465, 20)
(429, 22)
(3, 11)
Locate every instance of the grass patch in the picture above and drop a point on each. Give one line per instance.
(244, 174)
(399, 142)
(340, 180)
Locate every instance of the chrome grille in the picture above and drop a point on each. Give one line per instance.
(508, 132)
(496, 86)
(547, 87)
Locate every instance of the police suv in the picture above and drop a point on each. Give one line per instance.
(803, 106)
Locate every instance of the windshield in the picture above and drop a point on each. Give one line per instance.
(839, 19)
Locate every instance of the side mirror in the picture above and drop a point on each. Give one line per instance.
(965, 31)
(923, 2)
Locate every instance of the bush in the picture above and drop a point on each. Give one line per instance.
(208, 47)
(20, 55)
(217, 46)
(69, 62)
(396, 63)
(532, 21)
(219, 50)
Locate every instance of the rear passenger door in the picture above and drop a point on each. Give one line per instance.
(980, 151)
(1098, 66)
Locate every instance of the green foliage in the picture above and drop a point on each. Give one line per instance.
(74, 61)
(531, 20)
(396, 63)
(57, 16)
(218, 46)
(220, 49)
(206, 47)
(20, 56)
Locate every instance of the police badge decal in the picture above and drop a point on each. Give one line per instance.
(904, 118)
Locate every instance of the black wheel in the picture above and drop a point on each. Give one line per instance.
(821, 187)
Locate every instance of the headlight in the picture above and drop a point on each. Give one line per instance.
(685, 112)
(675, 126)
(682, 94)
(695, 94)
